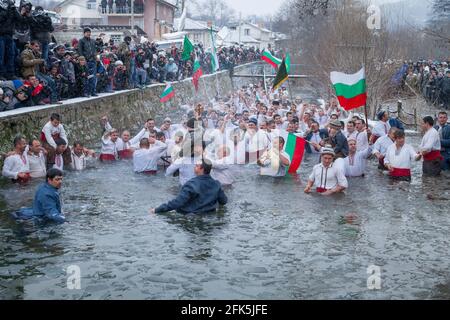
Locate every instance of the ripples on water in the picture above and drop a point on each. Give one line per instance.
(271, 241)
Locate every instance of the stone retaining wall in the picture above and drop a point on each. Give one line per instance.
(126, 110)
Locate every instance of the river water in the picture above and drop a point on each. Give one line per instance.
(271, 241)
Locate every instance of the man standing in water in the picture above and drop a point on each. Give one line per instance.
(47, 203)
(326, 176)
(443, 129)
(430, 148)
(199, 195)
(52, 131)
(380, 147)
(16, 166)
(399, 157)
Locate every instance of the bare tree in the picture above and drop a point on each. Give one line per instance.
(216, 11)
(333, 36)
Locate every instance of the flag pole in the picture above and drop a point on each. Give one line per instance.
(214, 55)
(367, 121)
(290, 91)
(365, 104)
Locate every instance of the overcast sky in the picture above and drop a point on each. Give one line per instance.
(263, 7)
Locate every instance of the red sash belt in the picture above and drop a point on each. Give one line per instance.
(381, 162)
(433, 155)
(150, 172)
(321, 190)
(25, 179)
(399, 172)
(54, 136)
(373, 138)
(107, 157)
(126, 154)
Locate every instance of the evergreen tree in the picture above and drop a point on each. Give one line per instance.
(439, 22)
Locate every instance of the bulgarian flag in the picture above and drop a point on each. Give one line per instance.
(295, 148)
(197, 74)
(350, 89)
(214, 59)
(167, 94)
(270, 59)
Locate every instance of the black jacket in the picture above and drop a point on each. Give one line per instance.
(41, 26)
(87, 48)
(7, 19)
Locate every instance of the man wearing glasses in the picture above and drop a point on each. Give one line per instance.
(47, 203)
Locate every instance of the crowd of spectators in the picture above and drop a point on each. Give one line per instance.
(431, 79)
(35, 70)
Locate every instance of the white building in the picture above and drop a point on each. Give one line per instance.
(80, 12)
(197, 31)
(246, 33)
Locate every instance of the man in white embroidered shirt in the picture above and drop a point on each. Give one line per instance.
(399, 157)
(36, 159)
(16, 165)
(362, 142)
(430, 148)
(327, 178)
(52, 131)
(80, 156)
(355, 162)
(380, 147)
(145, 160)
(381, 127)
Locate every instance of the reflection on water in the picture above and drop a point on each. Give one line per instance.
(271, 240)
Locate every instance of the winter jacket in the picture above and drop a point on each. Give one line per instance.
(41, 26)
(340, 145)
(46, 205)
(22, 29)
(30, 63)
(7, 19)
(87, 48)
(445, 141)
(199, 195)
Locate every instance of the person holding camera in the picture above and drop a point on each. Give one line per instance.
(41, 27)
(8, 14)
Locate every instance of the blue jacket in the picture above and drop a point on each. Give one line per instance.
(323, 133)
(46, 205)
(198, 195)
(394, 122)
(445, 140)
(340, 144)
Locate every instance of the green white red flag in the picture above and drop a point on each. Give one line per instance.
(197, 74)
(295, 148)
(167, 94)
(350, 89)
(270, 59)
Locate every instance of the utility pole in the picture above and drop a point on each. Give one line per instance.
(240, 22)
(132, 17)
